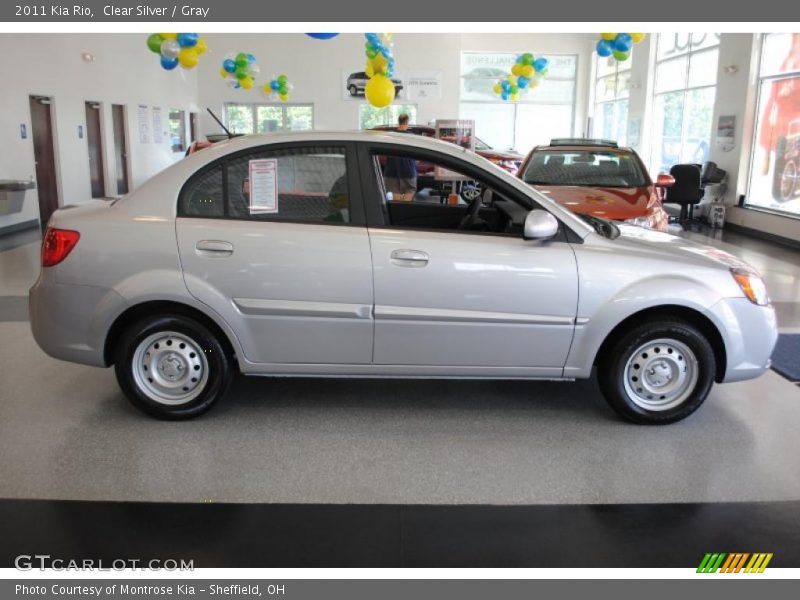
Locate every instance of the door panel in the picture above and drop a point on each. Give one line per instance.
(44, 156)
(95, 144)
(478, 300)
(120, 147)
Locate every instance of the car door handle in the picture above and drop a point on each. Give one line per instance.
(214, 248)
(409, 258)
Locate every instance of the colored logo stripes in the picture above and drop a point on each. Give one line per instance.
(734, 562)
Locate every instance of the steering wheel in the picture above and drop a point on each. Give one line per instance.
(469, 192)
(472, 219)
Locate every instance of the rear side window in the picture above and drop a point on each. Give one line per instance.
(305, 184)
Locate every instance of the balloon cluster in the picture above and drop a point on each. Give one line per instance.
(278, 88)
(379, 91)
(175, 49)
(526, 74)
(322, 36)
(618, 45)
(240, 70)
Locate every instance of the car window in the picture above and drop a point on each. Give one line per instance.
(306, 184)
(593, 168)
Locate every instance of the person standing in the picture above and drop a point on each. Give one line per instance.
(400, 174)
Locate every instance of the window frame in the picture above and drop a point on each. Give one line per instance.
(356, 208)
(182, 119)
(254, 106)
(412, 121)
(616, 101)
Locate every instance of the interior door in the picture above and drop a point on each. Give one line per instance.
(120, 147)
(95, 143)
(44, 156)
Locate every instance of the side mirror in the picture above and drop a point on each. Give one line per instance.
(664, 180)
(539, 225)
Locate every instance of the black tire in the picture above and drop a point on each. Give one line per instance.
(353, 90)
(216, 362)
(612, 373)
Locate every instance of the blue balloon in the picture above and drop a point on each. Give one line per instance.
(522, 82)
(274, 85)
(187, 40)
(506, 85)
(169, 63)
(623, 42)
(373, 38)
(504, 95)
(604, 48)
(251, 58)
(322, 36)
(229, 65)
(540, 64)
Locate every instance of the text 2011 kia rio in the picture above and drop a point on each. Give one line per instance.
(284, 255)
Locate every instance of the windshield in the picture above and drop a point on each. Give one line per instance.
(591, 168)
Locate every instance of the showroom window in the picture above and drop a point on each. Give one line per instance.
(304, 185)
(266, 118)
(177, 129)
(540, 115)
(612, 89)
(774, 180)
(370, 116)
(683, 102)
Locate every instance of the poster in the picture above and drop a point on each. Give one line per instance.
(158, 130)
(264, 185)
(456, 131)
(726, 128)
(423, 85)
(143, 124)
(354, 83)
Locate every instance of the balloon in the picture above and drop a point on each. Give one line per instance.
(608, 36)
(322, 36)
(527, 58)
(241, 60)
(527, 71)
(247, 83)
(187, 40)
(604, 48)
(522, 82)
(282, 79)
(516, 69)
(540, 64)
(514, 97)
(379, 91)
(154, 42)
(223, 72)
(169, 36)
(283, 97)
(637, 37)
(169, 63)
(229, 65)
(201, 46)
(188, 58)
(170, 49)
(623, 42)
(621, 56)
(498, 89)
(504, 95)
(240, 73)
(253, 69)
(369, 70)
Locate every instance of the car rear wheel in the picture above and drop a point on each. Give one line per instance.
(658, 372)
(172, 367)
(353, 90)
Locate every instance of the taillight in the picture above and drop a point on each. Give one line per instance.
(57, 245)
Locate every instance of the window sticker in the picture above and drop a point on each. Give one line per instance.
(263, 185)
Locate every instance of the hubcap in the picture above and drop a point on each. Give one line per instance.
(170, 368)
(661, 374)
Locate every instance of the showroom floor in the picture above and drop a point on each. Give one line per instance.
(66, 431)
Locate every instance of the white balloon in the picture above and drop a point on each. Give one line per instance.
(253, 69)
(170, 48)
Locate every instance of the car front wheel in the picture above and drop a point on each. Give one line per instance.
(172, 367)
(658, 372)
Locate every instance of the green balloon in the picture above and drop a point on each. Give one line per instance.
(527, 58)
(514, 89)
(621, 56)
(283, 79)
(154, 43)
(283, 90)
(241, 60)
(240, 73)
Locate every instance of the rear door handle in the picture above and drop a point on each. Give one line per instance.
(409, 258)
(214, 248)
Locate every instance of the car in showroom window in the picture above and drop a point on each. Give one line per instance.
(319, 254)
(599, 179)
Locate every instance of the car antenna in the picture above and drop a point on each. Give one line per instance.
(225, 129)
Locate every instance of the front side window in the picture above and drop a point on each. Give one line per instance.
(589, 168)
(306, 184)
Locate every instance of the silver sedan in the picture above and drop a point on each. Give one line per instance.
(293, 255)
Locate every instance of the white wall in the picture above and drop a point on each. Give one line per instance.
(123, 72)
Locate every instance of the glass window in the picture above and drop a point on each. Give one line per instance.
(177, 129)
(545, 112)
(592, 168)
(775, 170)
(369, 116)
(685, 91)
(203, 196)
(612, 89)
(267, 118)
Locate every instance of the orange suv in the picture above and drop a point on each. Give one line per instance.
(598, 178)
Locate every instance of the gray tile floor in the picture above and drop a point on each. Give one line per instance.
(66, 432)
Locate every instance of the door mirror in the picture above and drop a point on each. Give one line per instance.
(540, 225)
(665, 180)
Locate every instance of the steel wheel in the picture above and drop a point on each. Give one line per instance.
(170, 368)
(661, 374)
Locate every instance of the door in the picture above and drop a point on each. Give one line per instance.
(120, 147)
(192, 127)
(457, 287)
(44, 156)
(281, 252)
(95, 143)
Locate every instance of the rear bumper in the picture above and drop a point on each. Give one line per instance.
(750, 333)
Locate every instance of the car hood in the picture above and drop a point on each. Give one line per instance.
(616, 204)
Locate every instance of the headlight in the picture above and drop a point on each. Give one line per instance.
(752, 285)
(639, 222)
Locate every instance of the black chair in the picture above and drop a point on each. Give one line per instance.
(686, 192)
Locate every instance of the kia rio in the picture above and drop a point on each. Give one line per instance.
(285, 255)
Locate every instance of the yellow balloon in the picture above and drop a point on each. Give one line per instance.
(188, 58)
(512, 79)
(201, 46)
(247, 83)
(528, 71)
(223, 73)
(379, 91)
(514, 97)
(515, 70)
(169, 36)
(608, 36)
(267, 88)
(283, 97)
(369, 70)
(380, 64)
(637, 37)
(497, 88)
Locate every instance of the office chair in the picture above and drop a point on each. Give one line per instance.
(686, 192)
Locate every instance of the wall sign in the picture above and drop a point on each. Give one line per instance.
(424, 85)
(158, 131)
(80, 132)
(726, 132)
(143, 124)
(23, 131)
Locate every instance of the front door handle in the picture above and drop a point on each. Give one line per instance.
(214, 248)
(409, 258)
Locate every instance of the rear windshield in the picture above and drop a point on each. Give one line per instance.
(584, 168)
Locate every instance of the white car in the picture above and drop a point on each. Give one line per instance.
(282, 255)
